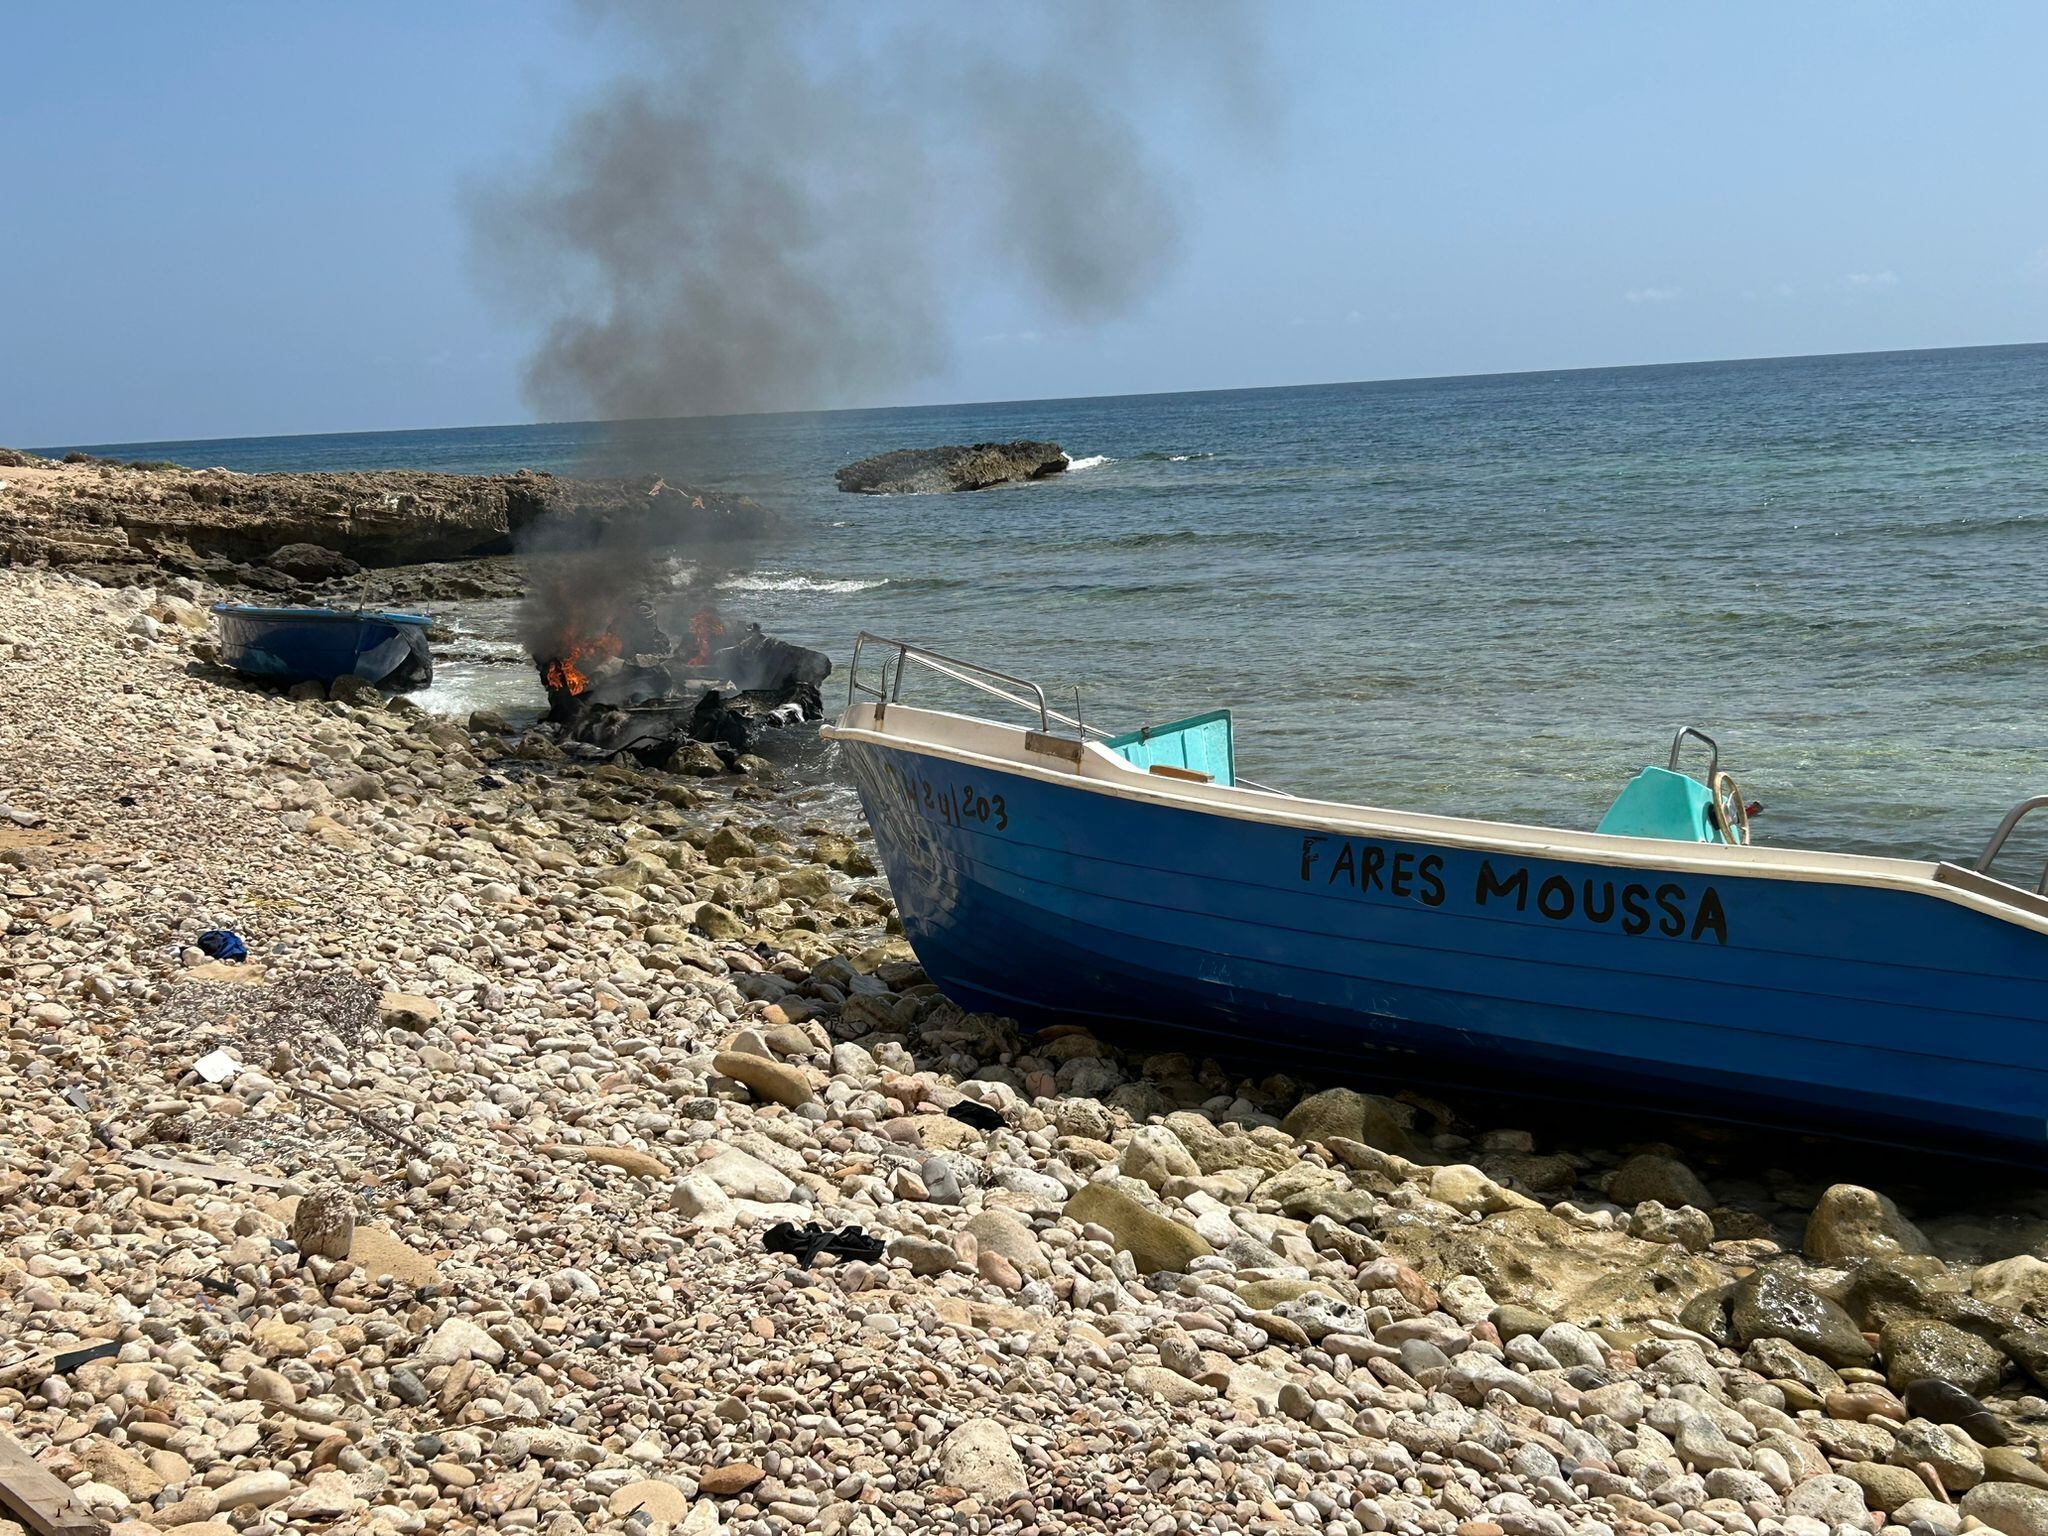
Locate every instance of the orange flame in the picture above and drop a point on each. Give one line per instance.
(564, 675)
(706, 629)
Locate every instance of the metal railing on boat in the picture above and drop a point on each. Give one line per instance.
(2013, 818)
(972, 673)
(889, 691)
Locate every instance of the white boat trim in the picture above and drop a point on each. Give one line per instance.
(991, 744)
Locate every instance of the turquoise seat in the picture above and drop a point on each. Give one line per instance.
(1199, 744)
(1660, 803)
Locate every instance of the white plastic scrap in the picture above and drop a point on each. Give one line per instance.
(217, 1066)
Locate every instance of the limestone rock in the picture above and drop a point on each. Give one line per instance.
(699, 1198)
(1536, 1259)
(1166, 1385)
(1770, 1304)
(924, 1255)
(1656, 1176)
(1832, 1499)
(730, 1480)
(382, 1255)
(120, 1468)
(1954, 1456)
(2009, 1464)
(642, 1165)
(714, 921)
(2017, 1509)
(311, 562)
(1904, 1286)
(1154, 1154)
(324, 1224)
(2020, 1283)
(1000, 1232)
(1925, 1350)
(409, 1010)
(1777, 1359)
(778, 1082)
(1156, 1241)
(1852, 1222)
(1686, 1225)
(327, 1496)
(979, 1457)
(253, 1490)
(661, 1500)
(729, 843)
(746, 1177)
(1885, 1487)
(1468, 1189)
(457, 1339)
(1354, 1116)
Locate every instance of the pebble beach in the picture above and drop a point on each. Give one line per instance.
(445, 1208)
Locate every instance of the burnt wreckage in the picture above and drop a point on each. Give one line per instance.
(624, 686)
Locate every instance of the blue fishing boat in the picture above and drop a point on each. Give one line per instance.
(1051, 871)
(318, 645)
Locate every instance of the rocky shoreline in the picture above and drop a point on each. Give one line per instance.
(285, 532)
(528, 1056)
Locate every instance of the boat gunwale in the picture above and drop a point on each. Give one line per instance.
(1118, 779)
(318, 615)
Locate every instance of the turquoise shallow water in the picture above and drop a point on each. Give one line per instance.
(1492, 596)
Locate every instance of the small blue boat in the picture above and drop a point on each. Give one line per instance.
(1052, 872)
(318, 645)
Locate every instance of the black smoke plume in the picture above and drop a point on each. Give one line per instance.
(777, 205)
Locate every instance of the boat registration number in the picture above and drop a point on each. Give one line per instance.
(957, 805)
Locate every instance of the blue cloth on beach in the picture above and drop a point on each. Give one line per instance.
(223, 944)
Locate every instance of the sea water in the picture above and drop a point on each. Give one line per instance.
(1493, 596)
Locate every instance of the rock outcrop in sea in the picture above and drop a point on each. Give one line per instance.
(117, 521)
(975, 467)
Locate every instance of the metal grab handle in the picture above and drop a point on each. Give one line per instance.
(1678, 743)
(2012, 819)
(972, 673)
(891, 691)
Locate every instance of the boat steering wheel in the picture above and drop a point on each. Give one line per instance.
(1731, 815)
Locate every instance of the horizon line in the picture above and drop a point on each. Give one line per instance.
(1031, 400)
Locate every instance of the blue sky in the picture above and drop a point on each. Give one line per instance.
(229, 220)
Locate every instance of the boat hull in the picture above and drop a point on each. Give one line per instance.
(1885, 1012)
(318, 645)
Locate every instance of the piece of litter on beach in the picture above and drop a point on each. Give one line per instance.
(32, 1492)
(216, 1066)
(220, 1173)
(980, 1116)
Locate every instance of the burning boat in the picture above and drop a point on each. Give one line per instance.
(617, 683)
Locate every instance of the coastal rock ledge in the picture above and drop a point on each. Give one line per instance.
(975, 467)
(112, 520)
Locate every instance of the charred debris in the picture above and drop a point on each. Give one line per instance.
(622, 681)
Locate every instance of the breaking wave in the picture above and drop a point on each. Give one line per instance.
(778, 581)
(1075, 466)
(1172, 458)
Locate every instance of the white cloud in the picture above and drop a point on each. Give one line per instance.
(1651, 295)
(1873, 282)
(1353, 318)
